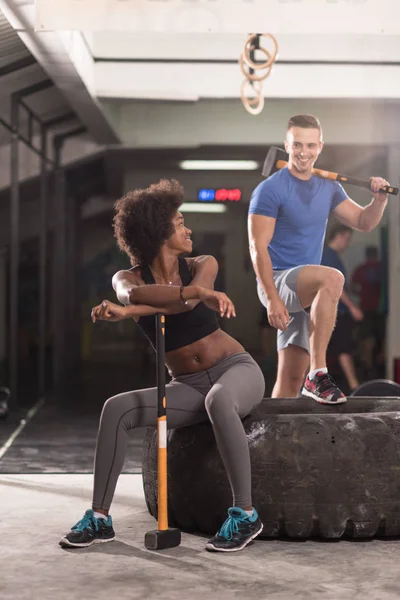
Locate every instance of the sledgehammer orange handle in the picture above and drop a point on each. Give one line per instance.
(388, 189)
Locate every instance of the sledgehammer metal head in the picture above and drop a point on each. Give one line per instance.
(275, 160)
(160, 540)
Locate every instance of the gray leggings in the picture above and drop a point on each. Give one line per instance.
(223, 394)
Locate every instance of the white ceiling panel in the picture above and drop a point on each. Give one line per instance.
(227, 47)
(193, 81)
(222, 16)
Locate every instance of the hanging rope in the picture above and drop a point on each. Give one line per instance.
(255, 72)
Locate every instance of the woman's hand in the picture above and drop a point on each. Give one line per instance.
(108, 311)
(217, 301)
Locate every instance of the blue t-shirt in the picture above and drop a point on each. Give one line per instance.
(301, 209)
(330, 258)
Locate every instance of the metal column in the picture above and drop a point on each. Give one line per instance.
(16, 99)
(42, 267)
(60, 240)
(43, 253)
(17, 136)
(62, 315)
(14, 250)
(58, 292)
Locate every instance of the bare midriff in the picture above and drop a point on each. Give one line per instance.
(203, 354)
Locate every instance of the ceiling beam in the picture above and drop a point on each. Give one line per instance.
(53, 51)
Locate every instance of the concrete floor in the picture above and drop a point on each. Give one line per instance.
(36, 509)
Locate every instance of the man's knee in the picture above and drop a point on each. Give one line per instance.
(332, 282)
(312, 279)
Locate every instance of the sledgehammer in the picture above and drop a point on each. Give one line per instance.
(277, 159)
(163, 537)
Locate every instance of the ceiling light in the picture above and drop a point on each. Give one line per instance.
(202, 207)
(219, 165)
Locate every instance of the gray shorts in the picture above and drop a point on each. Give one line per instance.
(298, 331)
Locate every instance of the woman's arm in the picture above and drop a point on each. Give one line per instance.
(131, 292)
(125, 284)
(204, 270)
(109, 311)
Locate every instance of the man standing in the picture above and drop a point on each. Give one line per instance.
(367, 282)
(341, 343)
(287, 221)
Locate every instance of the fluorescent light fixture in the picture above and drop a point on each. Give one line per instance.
(202, 207)
(219, 165)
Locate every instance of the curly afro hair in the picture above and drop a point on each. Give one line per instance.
(143, 219)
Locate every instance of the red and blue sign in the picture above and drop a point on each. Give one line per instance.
(219, 195)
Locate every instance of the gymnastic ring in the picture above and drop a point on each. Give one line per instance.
(249, 102)
(250, 76)
(272, 57)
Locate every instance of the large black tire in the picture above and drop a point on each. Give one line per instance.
(378, 388)
(317, 470)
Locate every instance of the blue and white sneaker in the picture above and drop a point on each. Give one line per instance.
(89, 530)
(237, 531)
